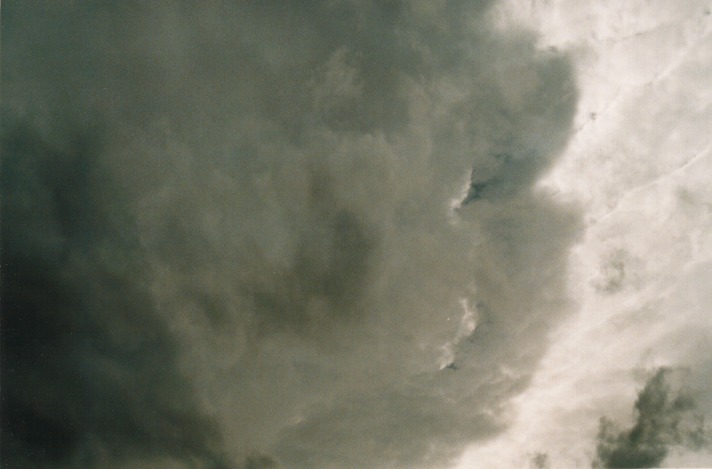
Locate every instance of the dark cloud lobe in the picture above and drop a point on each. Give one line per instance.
(89, 368)
(249, 235)
(664, 419)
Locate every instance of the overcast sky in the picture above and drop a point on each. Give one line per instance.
(356, 234)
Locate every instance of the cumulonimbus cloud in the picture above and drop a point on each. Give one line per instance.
(236, 234)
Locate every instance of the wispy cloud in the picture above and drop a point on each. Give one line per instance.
(664, 419)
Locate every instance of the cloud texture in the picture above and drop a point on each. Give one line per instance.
(639, 164)
(243, 235)
(664, 418)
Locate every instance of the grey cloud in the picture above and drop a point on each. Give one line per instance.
(665, 418)
(226, 236)
(89, 368)
(540, 461)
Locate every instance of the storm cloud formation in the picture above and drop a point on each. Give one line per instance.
(664, 419)
(250, 235)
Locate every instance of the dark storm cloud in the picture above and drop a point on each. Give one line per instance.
(226, 237)
(664, 419)
(89, 368)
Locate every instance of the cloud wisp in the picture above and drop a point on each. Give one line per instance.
(664, 419)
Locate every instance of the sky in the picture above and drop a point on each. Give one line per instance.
(351, 233)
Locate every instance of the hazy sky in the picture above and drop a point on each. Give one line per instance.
(356, 234)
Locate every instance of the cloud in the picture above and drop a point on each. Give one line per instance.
(227, 238)
(640, 273)
(89, 366)
(664, 419)
(540, 461)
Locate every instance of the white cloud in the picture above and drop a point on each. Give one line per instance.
(636, 164)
